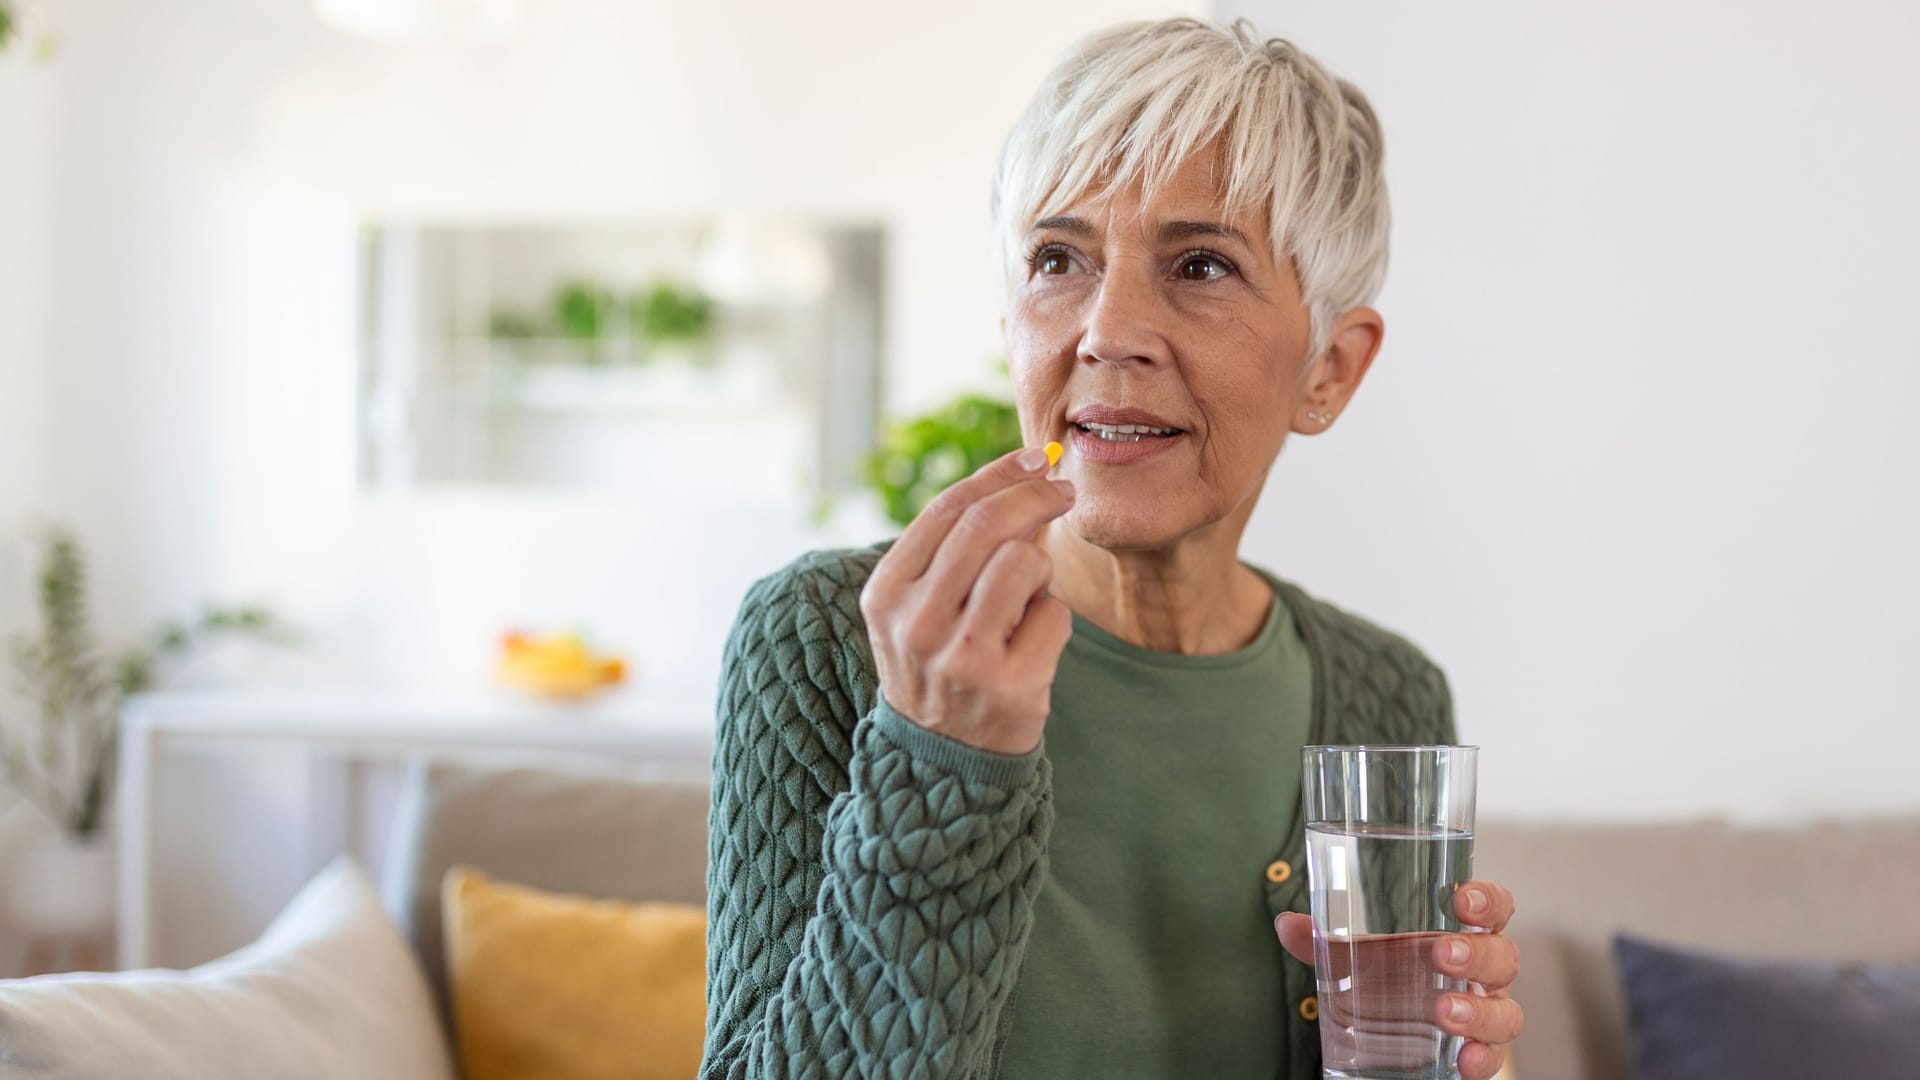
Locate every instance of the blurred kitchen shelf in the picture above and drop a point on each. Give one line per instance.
(660, 387)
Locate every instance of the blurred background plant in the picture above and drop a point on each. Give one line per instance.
(669, 313)
(581, 311)
(61, 757)
(512, 326)
(591, 318)
(918, 458)
(19, 26)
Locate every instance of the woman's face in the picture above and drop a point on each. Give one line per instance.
(1170, 315)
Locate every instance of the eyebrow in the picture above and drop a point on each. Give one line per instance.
(1182, 230)
(1073, 225)
(1172, 230)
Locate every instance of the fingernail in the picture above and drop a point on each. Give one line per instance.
(1459, 1010)
(1476, 901)
(1032, 459)
(1276, 923)
(1457, 952)
(1065, 487)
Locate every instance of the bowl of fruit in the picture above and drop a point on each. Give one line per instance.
(561, 665)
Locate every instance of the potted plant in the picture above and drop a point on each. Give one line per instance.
(60, 755)
(918, 458)
(672, 321)
(581, 312)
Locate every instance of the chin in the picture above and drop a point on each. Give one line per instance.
(1121, 528)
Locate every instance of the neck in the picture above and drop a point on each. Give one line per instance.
(1192, 597)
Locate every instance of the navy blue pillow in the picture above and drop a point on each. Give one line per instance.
(1698, 1016)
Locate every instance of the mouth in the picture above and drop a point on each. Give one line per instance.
(1110, 424)
(1102, 435)
(1125, 432)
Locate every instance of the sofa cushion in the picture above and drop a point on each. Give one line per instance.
(1701, 1016)
(1713, 885)
(615, 835)
(329, 990)
(548, 985)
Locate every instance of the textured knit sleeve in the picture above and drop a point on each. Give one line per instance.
(871, 882)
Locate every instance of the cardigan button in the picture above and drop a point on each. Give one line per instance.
(1309, 1009)
(1279, 871)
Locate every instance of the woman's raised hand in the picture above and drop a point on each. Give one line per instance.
(964, 635)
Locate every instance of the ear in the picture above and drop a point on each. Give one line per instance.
(1331, 383)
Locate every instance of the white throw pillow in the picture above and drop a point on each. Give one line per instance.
(330, 990)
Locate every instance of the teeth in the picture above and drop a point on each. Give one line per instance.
(1124, 432)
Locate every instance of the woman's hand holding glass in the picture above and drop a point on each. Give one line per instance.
(1490, 961)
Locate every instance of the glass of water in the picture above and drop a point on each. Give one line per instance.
(1389, 840)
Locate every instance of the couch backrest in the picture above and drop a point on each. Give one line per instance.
(1830, 891)
(613, 836)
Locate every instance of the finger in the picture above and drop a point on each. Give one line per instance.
(1013, 512)
(910, 555)
(1296, 935)
(1489, 959)
(1017, 571)
(1482, 903)
(1478, 1061)
(1036, 644)
(1482, 1019)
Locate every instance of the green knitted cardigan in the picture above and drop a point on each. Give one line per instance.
(871, 882)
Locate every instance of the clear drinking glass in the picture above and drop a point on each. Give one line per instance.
(1389, 840)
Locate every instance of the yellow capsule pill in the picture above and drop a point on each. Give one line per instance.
(1054, 450)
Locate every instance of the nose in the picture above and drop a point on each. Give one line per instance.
(1125, 325)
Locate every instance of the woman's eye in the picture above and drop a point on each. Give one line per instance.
(1202, 268)
(1053, 262)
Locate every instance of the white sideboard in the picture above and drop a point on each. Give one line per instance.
(228, 802)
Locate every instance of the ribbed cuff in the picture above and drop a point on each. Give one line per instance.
(1006, 771)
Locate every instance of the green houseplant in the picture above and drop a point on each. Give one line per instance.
(668, 313)
(14, 29)
(582, 311)
(61, 757)
(918, 458)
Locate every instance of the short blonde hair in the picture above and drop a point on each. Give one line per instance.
(1134, 101)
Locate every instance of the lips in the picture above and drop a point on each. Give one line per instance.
(1104, 435)
(1108, 415)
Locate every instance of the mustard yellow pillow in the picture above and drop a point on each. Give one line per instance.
(566, 988)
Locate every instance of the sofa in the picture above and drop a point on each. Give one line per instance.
(1838, 890)
(353, 981)
(604, 835)
(1835, 891)
(1748, 890)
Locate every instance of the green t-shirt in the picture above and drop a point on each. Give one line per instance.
(1152, 952)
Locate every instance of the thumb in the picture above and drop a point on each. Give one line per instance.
(1296, 935)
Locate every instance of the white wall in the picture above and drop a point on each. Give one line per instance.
(1637, 461)
(213, 159)
(1629, 466)
(24, 134)
(24, 137)
(23, 251)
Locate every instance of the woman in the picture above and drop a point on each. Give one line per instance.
(906, 879)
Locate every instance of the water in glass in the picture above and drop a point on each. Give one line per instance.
(1382, 894)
